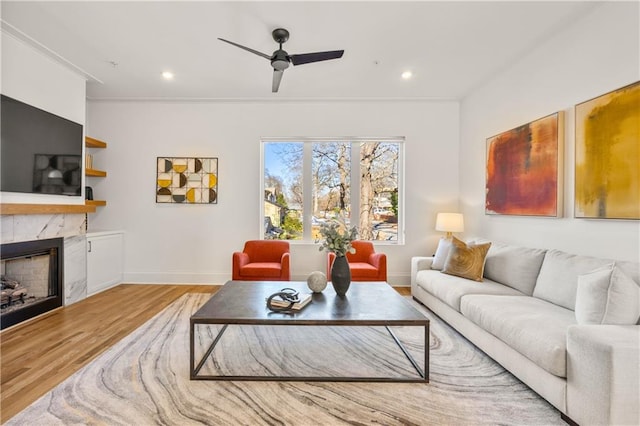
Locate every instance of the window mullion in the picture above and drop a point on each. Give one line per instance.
(355, 183)
(307, 190)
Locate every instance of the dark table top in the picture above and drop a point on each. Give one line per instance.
(366, 303)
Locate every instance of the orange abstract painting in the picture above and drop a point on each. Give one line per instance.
(608, 155)
(524, 169)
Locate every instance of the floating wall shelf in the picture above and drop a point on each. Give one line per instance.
(94, 143)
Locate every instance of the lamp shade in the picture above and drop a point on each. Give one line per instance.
(450, 222)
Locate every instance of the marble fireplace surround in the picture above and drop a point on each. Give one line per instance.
(70, 226)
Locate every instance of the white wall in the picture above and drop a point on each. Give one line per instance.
(169, 243)
(36, 79)
(594, 55)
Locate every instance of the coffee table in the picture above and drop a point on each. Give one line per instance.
(366, 304)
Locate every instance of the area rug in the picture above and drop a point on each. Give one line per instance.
(144, 379)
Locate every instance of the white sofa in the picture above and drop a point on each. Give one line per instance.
(522, 315)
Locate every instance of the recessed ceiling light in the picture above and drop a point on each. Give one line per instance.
(167, 75)
(407, 75)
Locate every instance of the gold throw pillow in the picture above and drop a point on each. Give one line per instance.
(466, 261)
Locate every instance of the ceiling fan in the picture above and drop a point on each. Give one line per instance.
(280, 59)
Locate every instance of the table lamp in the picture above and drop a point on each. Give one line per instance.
(450, 223)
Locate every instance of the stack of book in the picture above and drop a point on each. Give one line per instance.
(303, 300)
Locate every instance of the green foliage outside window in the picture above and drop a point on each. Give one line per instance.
(292, 227)
(394, 202)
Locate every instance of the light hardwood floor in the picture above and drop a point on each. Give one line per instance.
(40, 354)
(37, 356)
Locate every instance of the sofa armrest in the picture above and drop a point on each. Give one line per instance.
(419, 263)
(603, 372)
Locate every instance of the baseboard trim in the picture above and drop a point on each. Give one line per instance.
(190, 278)
(177, 278)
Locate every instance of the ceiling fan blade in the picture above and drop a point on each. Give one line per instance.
(306, 58)
(277, 76)
(248, 49)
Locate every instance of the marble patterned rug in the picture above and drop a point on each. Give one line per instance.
(144, 379)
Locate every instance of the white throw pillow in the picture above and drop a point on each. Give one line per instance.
(444, 247)
(607, 296)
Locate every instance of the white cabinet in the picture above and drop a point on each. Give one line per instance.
(105, 260)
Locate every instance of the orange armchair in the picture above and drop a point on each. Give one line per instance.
(365, 263)
(262, 260)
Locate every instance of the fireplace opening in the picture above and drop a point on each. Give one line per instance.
(31, 279)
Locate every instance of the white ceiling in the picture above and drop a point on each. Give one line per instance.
(451, 47)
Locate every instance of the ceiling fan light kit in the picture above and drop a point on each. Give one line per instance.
(280, 59)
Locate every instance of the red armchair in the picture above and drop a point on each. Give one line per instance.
(365, 263)
(262, 260)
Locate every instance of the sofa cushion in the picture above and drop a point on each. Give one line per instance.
(517, 267)
(533, 327)
(558, 279)
(607, 296)
(450, 289)
(444, 247)
(466, 260)
(442, 252)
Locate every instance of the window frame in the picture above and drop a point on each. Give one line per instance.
(307, 212)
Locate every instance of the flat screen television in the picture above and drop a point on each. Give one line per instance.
(40, 152)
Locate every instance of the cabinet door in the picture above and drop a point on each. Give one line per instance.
(104, 262)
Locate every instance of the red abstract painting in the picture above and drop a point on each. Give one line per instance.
(523, 169)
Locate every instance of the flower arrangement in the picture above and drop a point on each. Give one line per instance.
(337, 237)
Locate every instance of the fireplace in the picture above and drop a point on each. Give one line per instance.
(32, 279)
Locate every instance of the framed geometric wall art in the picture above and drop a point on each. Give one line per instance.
(187, 180)
(608, 155)
(524, 169)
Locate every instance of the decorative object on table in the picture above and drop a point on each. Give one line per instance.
(340, 275)
(607, 155)
(187, 180)
(524, 169)
(317, 281)
(337, 238)
(449, 223)
(288, 299)
(365, 264)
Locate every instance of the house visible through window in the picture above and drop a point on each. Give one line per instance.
(310, 181)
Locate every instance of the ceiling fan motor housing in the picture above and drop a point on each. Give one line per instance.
(280, 60)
